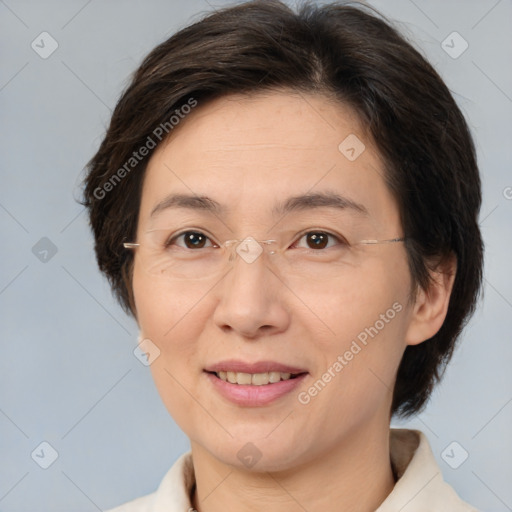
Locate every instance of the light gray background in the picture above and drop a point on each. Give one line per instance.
(68, 373)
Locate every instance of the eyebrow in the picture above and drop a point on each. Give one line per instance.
(327, 199)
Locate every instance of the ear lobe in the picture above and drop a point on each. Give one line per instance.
(431, 305)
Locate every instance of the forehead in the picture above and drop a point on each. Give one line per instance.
(250, 151)
(264, 122)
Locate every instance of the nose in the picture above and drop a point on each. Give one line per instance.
(251, 299)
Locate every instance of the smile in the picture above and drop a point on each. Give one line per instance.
(254, 389)
(254, 379)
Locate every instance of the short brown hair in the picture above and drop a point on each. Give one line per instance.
(346, 52)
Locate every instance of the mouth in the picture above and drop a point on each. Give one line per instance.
(254, 384)
(255, 379)
(260, 389)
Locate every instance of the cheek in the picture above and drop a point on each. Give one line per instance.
(357, 300)
(165, 317)
(355, 379)
(162, 306)
(368, 317)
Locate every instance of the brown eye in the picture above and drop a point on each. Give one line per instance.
(318, 240)
(191, 240)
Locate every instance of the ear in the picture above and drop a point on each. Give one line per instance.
(431, 305)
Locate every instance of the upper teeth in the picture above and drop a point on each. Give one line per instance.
(256, 379)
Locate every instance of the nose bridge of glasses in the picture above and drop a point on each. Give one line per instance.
(249, 249)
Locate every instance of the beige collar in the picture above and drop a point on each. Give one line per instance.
(420, 486)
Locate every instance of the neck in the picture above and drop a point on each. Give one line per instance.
(356, 476)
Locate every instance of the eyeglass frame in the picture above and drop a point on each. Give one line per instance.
(234, 243)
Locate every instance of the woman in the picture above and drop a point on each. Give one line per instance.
(287, 204)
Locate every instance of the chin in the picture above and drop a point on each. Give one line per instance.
(256, 453)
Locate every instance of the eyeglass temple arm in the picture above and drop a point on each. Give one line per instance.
(132, 245)
(389, 241)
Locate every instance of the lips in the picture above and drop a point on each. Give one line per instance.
(254, 384)
(254, 395)
(237, 366)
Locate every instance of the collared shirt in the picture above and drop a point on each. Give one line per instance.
(420, 486)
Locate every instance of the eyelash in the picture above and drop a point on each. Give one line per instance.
(341, 240)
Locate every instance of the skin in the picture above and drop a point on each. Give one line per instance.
(248, 153)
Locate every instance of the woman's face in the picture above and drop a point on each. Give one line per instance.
(342, 321)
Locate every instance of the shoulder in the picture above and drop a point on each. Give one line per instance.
(172, 493)
(142, 504)
(420, 486)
